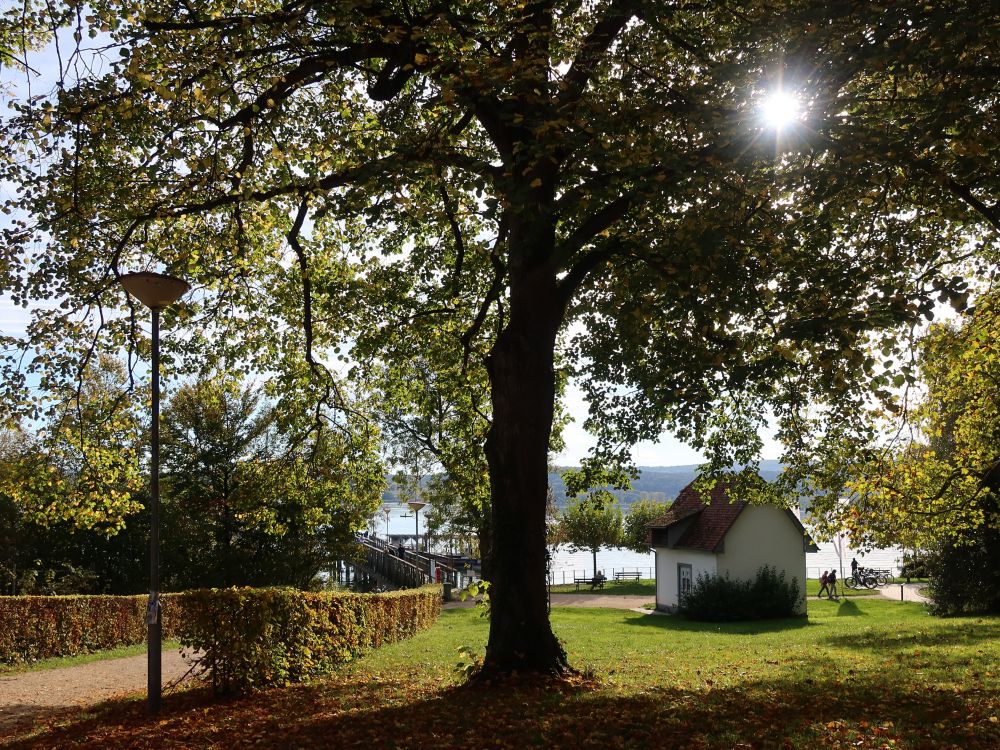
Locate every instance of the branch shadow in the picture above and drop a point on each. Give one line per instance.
(783, 712)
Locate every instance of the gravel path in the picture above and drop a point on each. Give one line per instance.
(29, 695)
(907, 592)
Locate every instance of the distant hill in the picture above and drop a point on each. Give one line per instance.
(662, 483)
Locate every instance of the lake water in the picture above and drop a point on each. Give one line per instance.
(831, 556)
(566, 565)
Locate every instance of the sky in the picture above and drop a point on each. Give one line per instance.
(666, 451)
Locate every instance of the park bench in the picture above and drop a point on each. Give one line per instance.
(594, 583)
(627, 575)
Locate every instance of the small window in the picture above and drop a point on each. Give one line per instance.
(684, 578)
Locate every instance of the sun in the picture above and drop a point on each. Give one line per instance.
(780, 109)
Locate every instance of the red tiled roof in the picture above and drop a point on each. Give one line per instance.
(713, 520)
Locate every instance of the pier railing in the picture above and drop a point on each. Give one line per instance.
(384, 564)
(429, 565)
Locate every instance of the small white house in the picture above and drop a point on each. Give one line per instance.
(724, 537)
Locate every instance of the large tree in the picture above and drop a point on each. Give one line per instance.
(934, 476)
(932, 481)
(435, 412)
(329, 170)
(82, 464)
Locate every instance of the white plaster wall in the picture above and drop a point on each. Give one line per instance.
(666, 572)
(763, 535)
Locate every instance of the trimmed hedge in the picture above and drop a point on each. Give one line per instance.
(715, 598)
(42, 627)
(247, 638)
(255, 638)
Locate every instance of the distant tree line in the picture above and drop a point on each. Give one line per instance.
(246, 499)
(593, 517)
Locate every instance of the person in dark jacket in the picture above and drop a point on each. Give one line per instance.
(824, 584)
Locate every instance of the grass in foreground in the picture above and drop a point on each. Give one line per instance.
(860, 673)
(72, 661)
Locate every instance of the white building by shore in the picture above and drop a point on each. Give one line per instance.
(837, 555)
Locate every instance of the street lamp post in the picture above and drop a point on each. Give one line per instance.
(415, 506)
(386, 513)
(156, 291)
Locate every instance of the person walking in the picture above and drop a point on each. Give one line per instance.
(824, 584)
(831, 581)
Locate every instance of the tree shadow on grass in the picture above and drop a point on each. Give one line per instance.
(410, 713)
(939, 633)
(747, 627)
(848, 608)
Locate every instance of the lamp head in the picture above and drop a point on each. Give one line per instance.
(154, 290)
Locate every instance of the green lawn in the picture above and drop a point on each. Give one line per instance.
(859, 673)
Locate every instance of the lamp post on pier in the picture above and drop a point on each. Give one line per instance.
(415, 506)
(156, 291)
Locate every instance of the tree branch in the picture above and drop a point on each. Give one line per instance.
(991, 214)
(594, 48)
(593, 225)
(492, 295)
(309, 70)
(590, 262)
(300, 254)
(456, 232)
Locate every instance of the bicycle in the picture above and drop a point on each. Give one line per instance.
(866, 578)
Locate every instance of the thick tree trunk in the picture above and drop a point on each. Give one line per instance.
(522, 378)
(485, 536)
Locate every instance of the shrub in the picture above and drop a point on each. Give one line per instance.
(254, 638)
(42, 627)
(717, 599)
(965, 577)
(915, 566)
